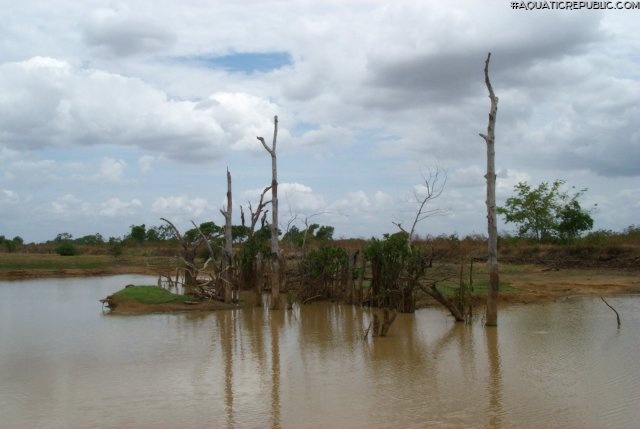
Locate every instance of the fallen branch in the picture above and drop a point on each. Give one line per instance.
(306, 301)
(614, 310)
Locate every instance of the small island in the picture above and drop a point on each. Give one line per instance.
(153, 299)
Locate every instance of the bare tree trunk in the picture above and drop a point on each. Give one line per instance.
(227, 257)
(275, 245)
(494, 280)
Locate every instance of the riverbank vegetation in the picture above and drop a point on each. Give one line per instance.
(602, 262)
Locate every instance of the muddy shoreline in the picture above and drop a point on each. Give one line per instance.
(532, 284)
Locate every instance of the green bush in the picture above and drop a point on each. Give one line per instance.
(67, 249)
(115, 247)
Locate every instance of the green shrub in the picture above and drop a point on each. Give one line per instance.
(115, 247)
(67, 249)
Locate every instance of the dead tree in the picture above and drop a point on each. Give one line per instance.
(489, 138)
(189, 249)
(434, 185)
(276, 258)
(251, 266)
(433, 291)
(227, 254)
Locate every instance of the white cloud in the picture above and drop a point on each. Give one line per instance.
(8, 197)
(111, 169)
(49, 103)
(145, 163)
(114, 207)
(362, 203)
(65, 205)
(374, 90)
(300, 198)
(183, 206)
(114, 32)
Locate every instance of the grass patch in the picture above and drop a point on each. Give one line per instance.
(149, 295)
(479, 288)
(25, 261)
(40, 261)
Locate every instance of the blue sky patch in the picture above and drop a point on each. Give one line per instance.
(245, 62)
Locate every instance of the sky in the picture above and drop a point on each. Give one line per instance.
(117, 113)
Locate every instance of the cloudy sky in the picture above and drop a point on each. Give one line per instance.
(115, 113)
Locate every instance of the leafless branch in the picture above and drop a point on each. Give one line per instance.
(271, 150)
(175, 230)
(434, 184)
(206, 241)
(255, 216)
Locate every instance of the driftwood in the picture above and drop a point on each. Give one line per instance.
(308, 300)
(614, 310)
(432, 291)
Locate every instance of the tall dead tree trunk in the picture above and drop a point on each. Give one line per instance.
(489, 138)
(227, 255)
(275, 245)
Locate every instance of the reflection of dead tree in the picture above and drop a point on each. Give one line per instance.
(276, 257)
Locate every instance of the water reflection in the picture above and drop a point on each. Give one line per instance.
(64, 364)
(276, 325)
(495, 378)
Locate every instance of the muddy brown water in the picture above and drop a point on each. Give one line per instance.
(65, 364)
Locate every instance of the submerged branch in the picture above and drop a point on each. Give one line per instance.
(614, 310)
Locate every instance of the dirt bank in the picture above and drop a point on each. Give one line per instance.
(531, 283)
(535, 284)
(131, 307)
